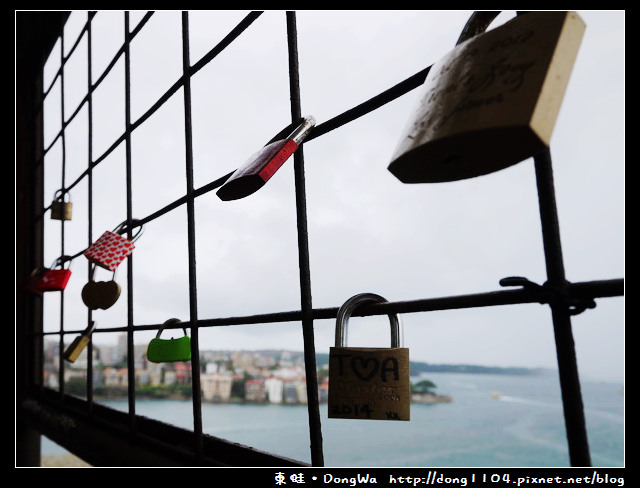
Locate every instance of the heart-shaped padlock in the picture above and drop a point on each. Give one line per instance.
(100, 294)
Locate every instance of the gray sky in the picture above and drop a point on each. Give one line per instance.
(368, 232)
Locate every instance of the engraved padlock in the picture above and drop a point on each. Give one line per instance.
(368, 382)
(79, 343)
(61, 206)
(492, 101)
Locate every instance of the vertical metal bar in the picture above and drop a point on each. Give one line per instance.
(62, 142)
(315, 430)
(90, 346)
(61, 339)
(131, 381)
(191, 236)
(89, 164)
(29, 230)
(565, 348)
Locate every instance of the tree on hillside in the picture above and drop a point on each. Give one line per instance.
(423, 386)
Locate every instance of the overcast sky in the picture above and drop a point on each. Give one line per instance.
(368, 232)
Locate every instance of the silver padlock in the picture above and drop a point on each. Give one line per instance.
(368, 383)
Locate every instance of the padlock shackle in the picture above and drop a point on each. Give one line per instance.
(61, 260)
(61, 194)
(167, 322)
(93, 272)
(477, 24)
(347, 309)
(121, 229)
(302, 130)
(90, 328)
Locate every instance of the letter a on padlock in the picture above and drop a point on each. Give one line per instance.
(368, 383)
(492, 101)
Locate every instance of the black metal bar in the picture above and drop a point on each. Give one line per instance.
(565, 348)
(244, 24)
(315, 430)
(131, 378)
(94, 86)
(372, 104)
(35, 36)
(569, 378)
(89, 180)
(235, 33)
(587, 289)
(191, 237)
(89, 168)
(62, 142)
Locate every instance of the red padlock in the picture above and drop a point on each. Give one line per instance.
(260, 167)
(51, 279)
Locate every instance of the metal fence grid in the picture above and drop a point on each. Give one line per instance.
(564, 299)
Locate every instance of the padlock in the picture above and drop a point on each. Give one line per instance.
(100, 294)
(492, 101)
(61, 206)
(79, 343)
(169, 350)
(32, 283)
(54, 279)
(112, 248)
(368, 383)
(260, 167)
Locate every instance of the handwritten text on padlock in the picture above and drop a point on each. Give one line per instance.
(365, 368)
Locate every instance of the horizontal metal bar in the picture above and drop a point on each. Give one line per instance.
(98, 435)
(586, 289)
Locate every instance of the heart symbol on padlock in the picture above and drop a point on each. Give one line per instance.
(100, 294)
(364, 368)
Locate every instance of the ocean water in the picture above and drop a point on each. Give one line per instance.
(493, 421)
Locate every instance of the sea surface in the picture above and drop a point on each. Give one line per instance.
(493, 421)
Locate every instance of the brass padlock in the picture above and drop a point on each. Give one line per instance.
(368, 383)
(61, 206)
(492, 101)
(79, 343)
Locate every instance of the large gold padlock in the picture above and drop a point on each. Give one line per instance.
(61, 206)
(368, 383)
(492, 101)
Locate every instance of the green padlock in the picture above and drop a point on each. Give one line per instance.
(169, 350)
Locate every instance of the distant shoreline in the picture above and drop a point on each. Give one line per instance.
(421, 368)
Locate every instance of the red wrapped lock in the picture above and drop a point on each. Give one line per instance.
(49, 279)
(262, 165)
(111, 248)
(54, 279)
